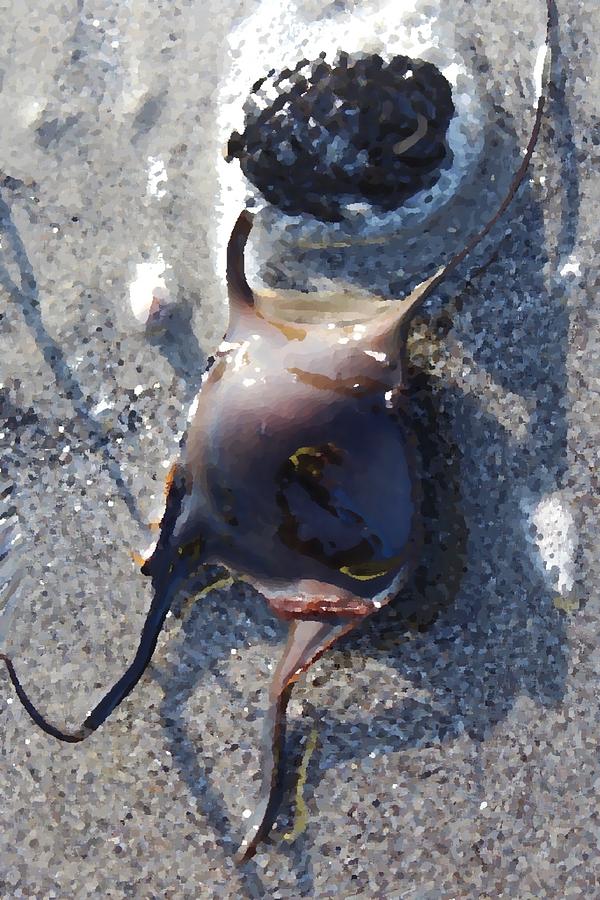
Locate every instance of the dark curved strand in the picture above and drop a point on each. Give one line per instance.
(70, 737)
(514, 186)
(148, 639)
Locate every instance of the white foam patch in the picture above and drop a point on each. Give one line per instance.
(30, 112)
(157, 175)
(538, 72)
(147, 286)
(571, 267)
(554, 539)
(102, 406)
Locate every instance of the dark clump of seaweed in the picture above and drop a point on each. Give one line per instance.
(320, 136)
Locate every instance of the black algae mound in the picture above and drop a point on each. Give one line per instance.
(322, 136)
